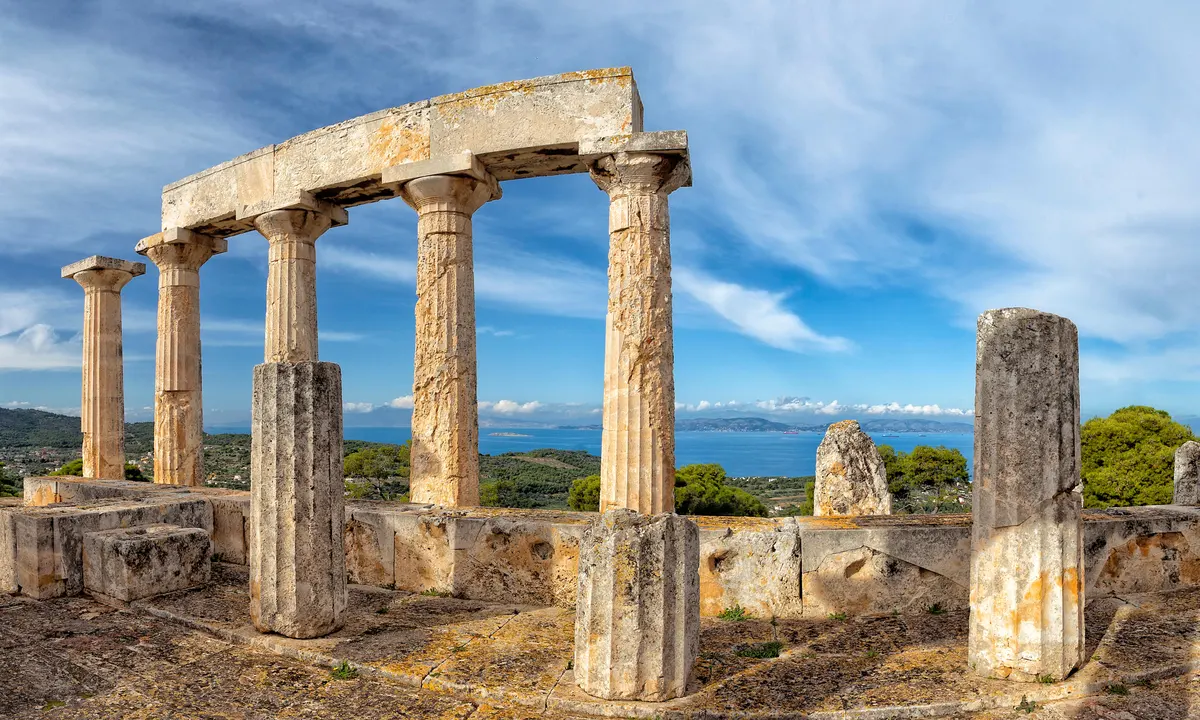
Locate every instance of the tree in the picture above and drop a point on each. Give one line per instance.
(806, 507)
(75, 468)
(134, 473)
(700, 489)
(378, 461)
(500, 493)
(1129, 457)
(585, 494)
(927, 480)
(10, 485)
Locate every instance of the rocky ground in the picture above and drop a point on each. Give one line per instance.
(193, 655)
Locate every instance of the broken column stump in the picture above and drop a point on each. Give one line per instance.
(637, 625)
(1027, 547)
(1187, 474)
(297, 558)
(851, 479)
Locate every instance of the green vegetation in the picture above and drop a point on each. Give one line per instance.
(1129, 457)
(501, 493)
(927, 480)
(1116, 689)
(700, 489)
(585, 494)
(792, 495)
(10, 485)
(737, 613)
(1027, 706)
(378, 461)
(1046, 679)
(344, 671)
(935, 609)
(838, 616)
(770, 649)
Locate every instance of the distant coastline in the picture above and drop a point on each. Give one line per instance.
(508, 434)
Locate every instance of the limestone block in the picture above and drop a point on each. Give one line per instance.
(423, 552)
(757, 569)
(49, 540)
(850, 475)
(1187, 474)
(231, 527)
(637, 621)
(371, 544)
(1027, 587)
(8, 553)
(524, 559)
(297, 552)
(1141, 550)
(129, 564)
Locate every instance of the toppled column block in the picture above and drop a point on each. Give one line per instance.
(297, 517)
(851, 479)
(1187, 474)
(637, 617)
(129, 564)
(1027, 539)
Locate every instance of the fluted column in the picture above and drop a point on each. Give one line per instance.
(297, 516)
(102, 407)
(637, 457)
(445, 422)
(178, 399)
(1027, 585)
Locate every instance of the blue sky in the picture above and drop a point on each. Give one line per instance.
(869, 177)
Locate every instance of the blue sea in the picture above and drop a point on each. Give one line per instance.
(740, 453)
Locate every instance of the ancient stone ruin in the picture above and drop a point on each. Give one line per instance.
(290, 561)
(850, 475)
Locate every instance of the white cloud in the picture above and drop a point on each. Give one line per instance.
(404, 402)
(488, 330)
(833, 407)
(38, 347)
(357, 407)
(756, 313)
(510, 407)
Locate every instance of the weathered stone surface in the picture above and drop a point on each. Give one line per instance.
(445, 420)
(178, 411)
(129, 564)
(754, 565)
(527, 128)
(637, 623)
(1187, 474)
(49, 540)
(291, 325)
(102, 414)
(41, 491)
(297, 555)
(637, 467)
(1027, 586)
(850, 475)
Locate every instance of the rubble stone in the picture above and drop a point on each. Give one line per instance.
(1027, 554)
(637, 623)
(850, 475)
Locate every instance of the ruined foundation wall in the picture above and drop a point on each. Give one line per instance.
(784, 567)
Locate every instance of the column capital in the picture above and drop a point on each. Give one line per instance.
(458, 182)
(649, 162)
(99, 273)
(297, 201)
(623, 173)
(180, 248)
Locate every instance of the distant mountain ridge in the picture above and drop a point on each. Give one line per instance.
(38, 428)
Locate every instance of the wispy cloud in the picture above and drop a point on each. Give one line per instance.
(756, 313)
(510, 407)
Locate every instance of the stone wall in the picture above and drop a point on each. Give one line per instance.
(784, 567)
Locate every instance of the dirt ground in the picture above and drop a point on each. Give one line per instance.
(194, 655)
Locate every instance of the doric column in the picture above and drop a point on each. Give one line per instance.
(1027, 539)
(178, 402)
(445, 421)
(297, 507)
(637, 457)
(637, 611)
(102, 408)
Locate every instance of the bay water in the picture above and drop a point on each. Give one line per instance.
(740, 453)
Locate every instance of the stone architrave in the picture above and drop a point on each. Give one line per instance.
(851, 479)
(637, 624)
(178, 402)
(1027, 545)
(445, 420)
(297, 516)
(1187, 474)
(637, 466)
(102, 408)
